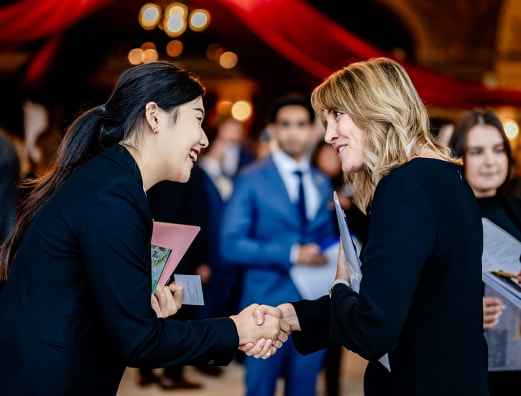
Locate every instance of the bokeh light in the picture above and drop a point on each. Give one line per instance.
(511, 129)
(175, 19)
(135, 56)
(228, 60)
(149, 16)
(199, 20)
(174, 48)
(242, 110)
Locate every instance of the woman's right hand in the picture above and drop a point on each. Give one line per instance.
(274, 330)
(263, 348)
(493, 308)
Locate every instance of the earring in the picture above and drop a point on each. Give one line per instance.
(155, 129)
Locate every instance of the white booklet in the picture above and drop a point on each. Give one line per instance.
(353, 260)
(501, 252)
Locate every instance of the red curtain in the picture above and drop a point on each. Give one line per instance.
(318, 45)
(28, 20)
(292, 27)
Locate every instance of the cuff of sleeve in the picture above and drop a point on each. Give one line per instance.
(338, 282)
(293, 255)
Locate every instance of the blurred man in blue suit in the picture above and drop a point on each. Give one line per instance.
(263, 230)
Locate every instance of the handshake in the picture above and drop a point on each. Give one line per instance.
(262, 329)
(269, 329)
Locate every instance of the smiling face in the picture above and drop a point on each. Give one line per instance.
(486, 161)
(347, 140)
(180, 139)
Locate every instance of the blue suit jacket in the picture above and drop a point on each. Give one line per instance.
(75, 310)
(260, 225)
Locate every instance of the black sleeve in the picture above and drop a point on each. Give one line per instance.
(313, 317)
(401, 235)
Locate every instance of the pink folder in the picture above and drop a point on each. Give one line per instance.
(177, 237)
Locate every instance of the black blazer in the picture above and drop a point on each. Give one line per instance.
(420, 298)
(75, 310)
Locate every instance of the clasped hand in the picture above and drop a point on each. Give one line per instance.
(261, 337)
(263, 314)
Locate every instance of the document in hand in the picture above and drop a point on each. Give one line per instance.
(353, 260)
(505, 286)
(501, 252)
(174, 237)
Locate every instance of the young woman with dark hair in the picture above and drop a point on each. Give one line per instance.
(76, 307)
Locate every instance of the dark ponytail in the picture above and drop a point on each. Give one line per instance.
(80, 143)
(120, 118)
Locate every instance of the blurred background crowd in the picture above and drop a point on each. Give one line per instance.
(58, 57)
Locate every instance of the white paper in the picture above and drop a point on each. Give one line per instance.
(313, 282)
(501, 251)
(353, 260)
(193, 293)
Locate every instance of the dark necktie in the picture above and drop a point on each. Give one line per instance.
(301, 203)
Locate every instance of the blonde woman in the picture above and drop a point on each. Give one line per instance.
(420, 299)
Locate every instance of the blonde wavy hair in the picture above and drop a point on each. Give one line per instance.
(382, 101)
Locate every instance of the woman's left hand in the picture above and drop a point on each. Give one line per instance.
(342, 271)
(167, 301)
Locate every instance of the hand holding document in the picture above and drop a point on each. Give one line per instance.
(170, 241)
(353, 260)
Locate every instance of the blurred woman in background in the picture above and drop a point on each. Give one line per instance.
(479, 138)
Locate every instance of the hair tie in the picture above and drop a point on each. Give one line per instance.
(103, 109)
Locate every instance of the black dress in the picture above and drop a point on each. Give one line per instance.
(420, 298)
